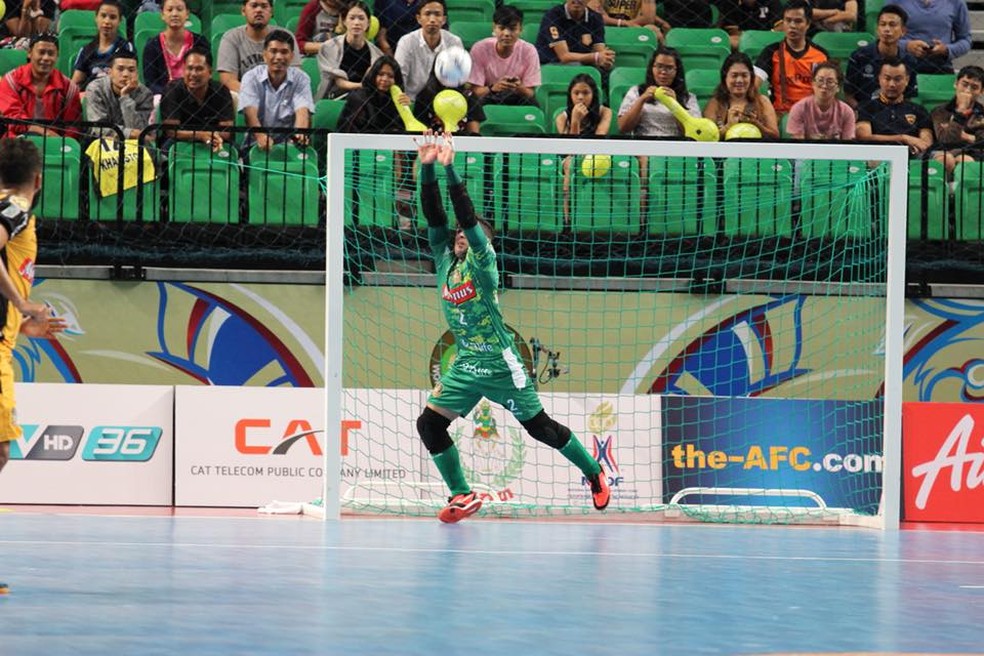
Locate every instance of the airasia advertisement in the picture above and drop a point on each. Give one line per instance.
(943, 462)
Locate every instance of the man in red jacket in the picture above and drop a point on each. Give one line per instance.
(38, 91)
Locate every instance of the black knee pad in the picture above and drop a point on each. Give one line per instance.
(545, 429)
(433, 430)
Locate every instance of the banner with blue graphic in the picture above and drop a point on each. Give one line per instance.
(811, 451)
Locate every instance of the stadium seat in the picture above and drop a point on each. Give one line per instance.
(80, 20)
(682, 196)
(633, 46)
(507, 120)
(472, 168)
(471, 32)
(967, 207)
(11, 58)
(530, 30)
(753, 42)
(699, 47)
(833, 203)
(106, 208)
(840, 45)
(702, 83)
(554, 80)
(369, 188)
(204, 187)
(283, 186)
(326, 113)
(525, 176)
(212, 9)
(935, 90)
(935, 189)
(620, 81)
(757, 195)
(607, 203)
(871, 9)
(60, 193)
(470, 10)
(310, 66)
(221, 24)
(284, 10)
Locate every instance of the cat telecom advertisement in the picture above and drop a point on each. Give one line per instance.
(772, 452)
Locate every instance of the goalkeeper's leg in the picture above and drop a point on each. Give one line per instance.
(432, 426)
(543, 428)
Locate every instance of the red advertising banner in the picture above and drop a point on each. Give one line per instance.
(943, 462)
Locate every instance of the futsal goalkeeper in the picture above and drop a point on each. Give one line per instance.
(487, 363)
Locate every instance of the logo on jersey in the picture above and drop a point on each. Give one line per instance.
(26, 270)
(459, 294)
(446, 349)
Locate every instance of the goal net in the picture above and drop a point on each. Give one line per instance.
(708, 319)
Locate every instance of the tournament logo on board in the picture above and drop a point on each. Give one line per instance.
(488, 457)
(445, 350)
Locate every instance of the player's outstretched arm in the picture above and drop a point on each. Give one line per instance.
(464, 209)
(430, 193)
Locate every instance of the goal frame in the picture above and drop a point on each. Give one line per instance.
(895, 156)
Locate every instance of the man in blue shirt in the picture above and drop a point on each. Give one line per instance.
(573, 34)
(938, 33)
(276, 95)
(864, 63)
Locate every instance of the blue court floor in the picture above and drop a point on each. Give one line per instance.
(108, 585)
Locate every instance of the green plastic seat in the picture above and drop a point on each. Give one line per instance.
(283, 186)
(472, 169)
(757, 195)
(835, 199)
(840, 45)
(106, 208)
(530, 29)
(212, 9)
(471, 32)
(82, 20)
(11, 58)
(506, 120)
(633, 46)
(753, 42)
(204, 187)
(607, 203)
(871, 9)
(471, 10)
(935, 89)
(284, 10)
(60, 193)
(310, 66)
(700, 47)
(702, 82)
(554, 80)
(967, 206)
(935, 189)
(370, 186)
(525, 176)
(682, 196)
(622, 79)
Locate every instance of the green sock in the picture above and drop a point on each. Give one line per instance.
(576, 453)
(449, 464)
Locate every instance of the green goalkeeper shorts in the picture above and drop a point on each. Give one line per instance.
(502, 380)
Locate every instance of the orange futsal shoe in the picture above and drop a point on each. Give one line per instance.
(601, 494)
(459, 506)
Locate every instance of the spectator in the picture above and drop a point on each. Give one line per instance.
(25, 18)
(788, 64)
(636, 13)
(417, 50)
(835, 15)
(865, 62)
(738, 16)
(397, 18)
(344, 59)
(93, 59)
(573, 34)
(890, 118)
(641, 114)
(960, 122)
(201, 106)
(120, 99)
(318, 22)
(276, 95)
(423, 108)
(370, 108)
(822, 115)
(241, 48)
(736, 99)
(37, 90)
(505, 69)
(163, 55)
(687, 13)
(938, 32)
(584, 115)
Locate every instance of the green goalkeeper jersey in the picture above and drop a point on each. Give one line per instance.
(470, 293)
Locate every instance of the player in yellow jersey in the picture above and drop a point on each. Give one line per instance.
(20, 181)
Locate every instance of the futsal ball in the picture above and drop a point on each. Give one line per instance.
(370, 33)
(743, 131)
(452, 66)
(595, 166)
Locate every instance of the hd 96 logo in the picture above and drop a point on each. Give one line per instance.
(103, 443)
